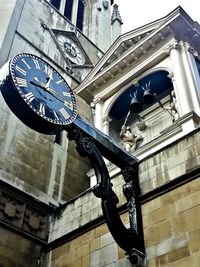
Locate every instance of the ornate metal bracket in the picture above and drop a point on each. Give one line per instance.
(130, 240)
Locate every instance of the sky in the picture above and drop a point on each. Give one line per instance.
(137, 13)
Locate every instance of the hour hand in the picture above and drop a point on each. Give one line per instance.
(38, 83)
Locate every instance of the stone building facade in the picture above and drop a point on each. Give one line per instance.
(49, 215)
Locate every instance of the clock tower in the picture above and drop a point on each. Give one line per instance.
(92, 18)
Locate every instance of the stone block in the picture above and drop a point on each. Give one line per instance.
(85, 218)
(106, 255)
(95, 244)
(74, 263)
(61, 250)
(86, 207)
(178, 254)
(188, 201)
(85, 261)
(157, 233)
(101, 230)
(151, 263)
(143, 176)
(82, 250)
(194, 240)
(187, 220)
(159, 215)
(125, 218)
(151, 205)
(4, 234)
(121, 253)
(123, 263)
(83, 239)
(176, 171)
(187, 261)
(173, 195)
(106, 239)
(195, 185)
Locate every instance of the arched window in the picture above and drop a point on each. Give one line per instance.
(80, 15)
(158, 85)
(56, 3)
(68, 9)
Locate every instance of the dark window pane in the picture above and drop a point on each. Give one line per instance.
(56, 3)
(68, 9)
(80, 15)
(58, 138)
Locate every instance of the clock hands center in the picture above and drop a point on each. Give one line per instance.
(52, 92)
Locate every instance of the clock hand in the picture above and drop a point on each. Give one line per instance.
(39, 83)
(59, 97)
(48, 82)
(52, 92)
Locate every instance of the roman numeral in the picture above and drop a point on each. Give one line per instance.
(26, 63)
(66, 94)
(29, 97)
(21, 82)
(64, 112)
(37, 65)
(48, 71)
(56, 116)
(20, 70)
(42, 108)
(60, 81)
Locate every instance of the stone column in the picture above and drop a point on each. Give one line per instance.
(98, 103)
(192, 74)
(106, 124)
(62, 6)
(74, 11)
(180, 80)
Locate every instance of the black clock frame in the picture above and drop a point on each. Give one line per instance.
(22, 109)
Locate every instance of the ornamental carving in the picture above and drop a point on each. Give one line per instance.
(35, 222)
(17, 213)
(11, 209)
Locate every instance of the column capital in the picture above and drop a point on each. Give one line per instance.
(190, 49)
(175, 45)
(96, 100)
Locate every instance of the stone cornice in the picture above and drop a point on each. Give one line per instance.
(177, 23)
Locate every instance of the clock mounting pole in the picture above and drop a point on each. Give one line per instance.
(92, 143)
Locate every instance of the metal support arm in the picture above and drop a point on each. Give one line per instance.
(127, 239)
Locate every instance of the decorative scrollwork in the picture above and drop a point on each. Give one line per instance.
(127, 239)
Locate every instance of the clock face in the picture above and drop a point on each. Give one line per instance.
(71, 50)
(43, 89)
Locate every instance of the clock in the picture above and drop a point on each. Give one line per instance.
(71, 49)
(37, 94)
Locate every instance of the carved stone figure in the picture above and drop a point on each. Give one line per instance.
(172, 108)
(129, 139)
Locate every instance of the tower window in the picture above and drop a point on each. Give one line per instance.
(56, 3)
(68, 9)
(80, 15)
(58, 140)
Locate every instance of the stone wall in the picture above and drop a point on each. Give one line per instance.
(172, 162)
(171, 227)
(18, 251)
(170, 219)
(94, 248)
(171, 233)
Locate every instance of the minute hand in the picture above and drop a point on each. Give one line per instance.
(59, 97)
(51, 91)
